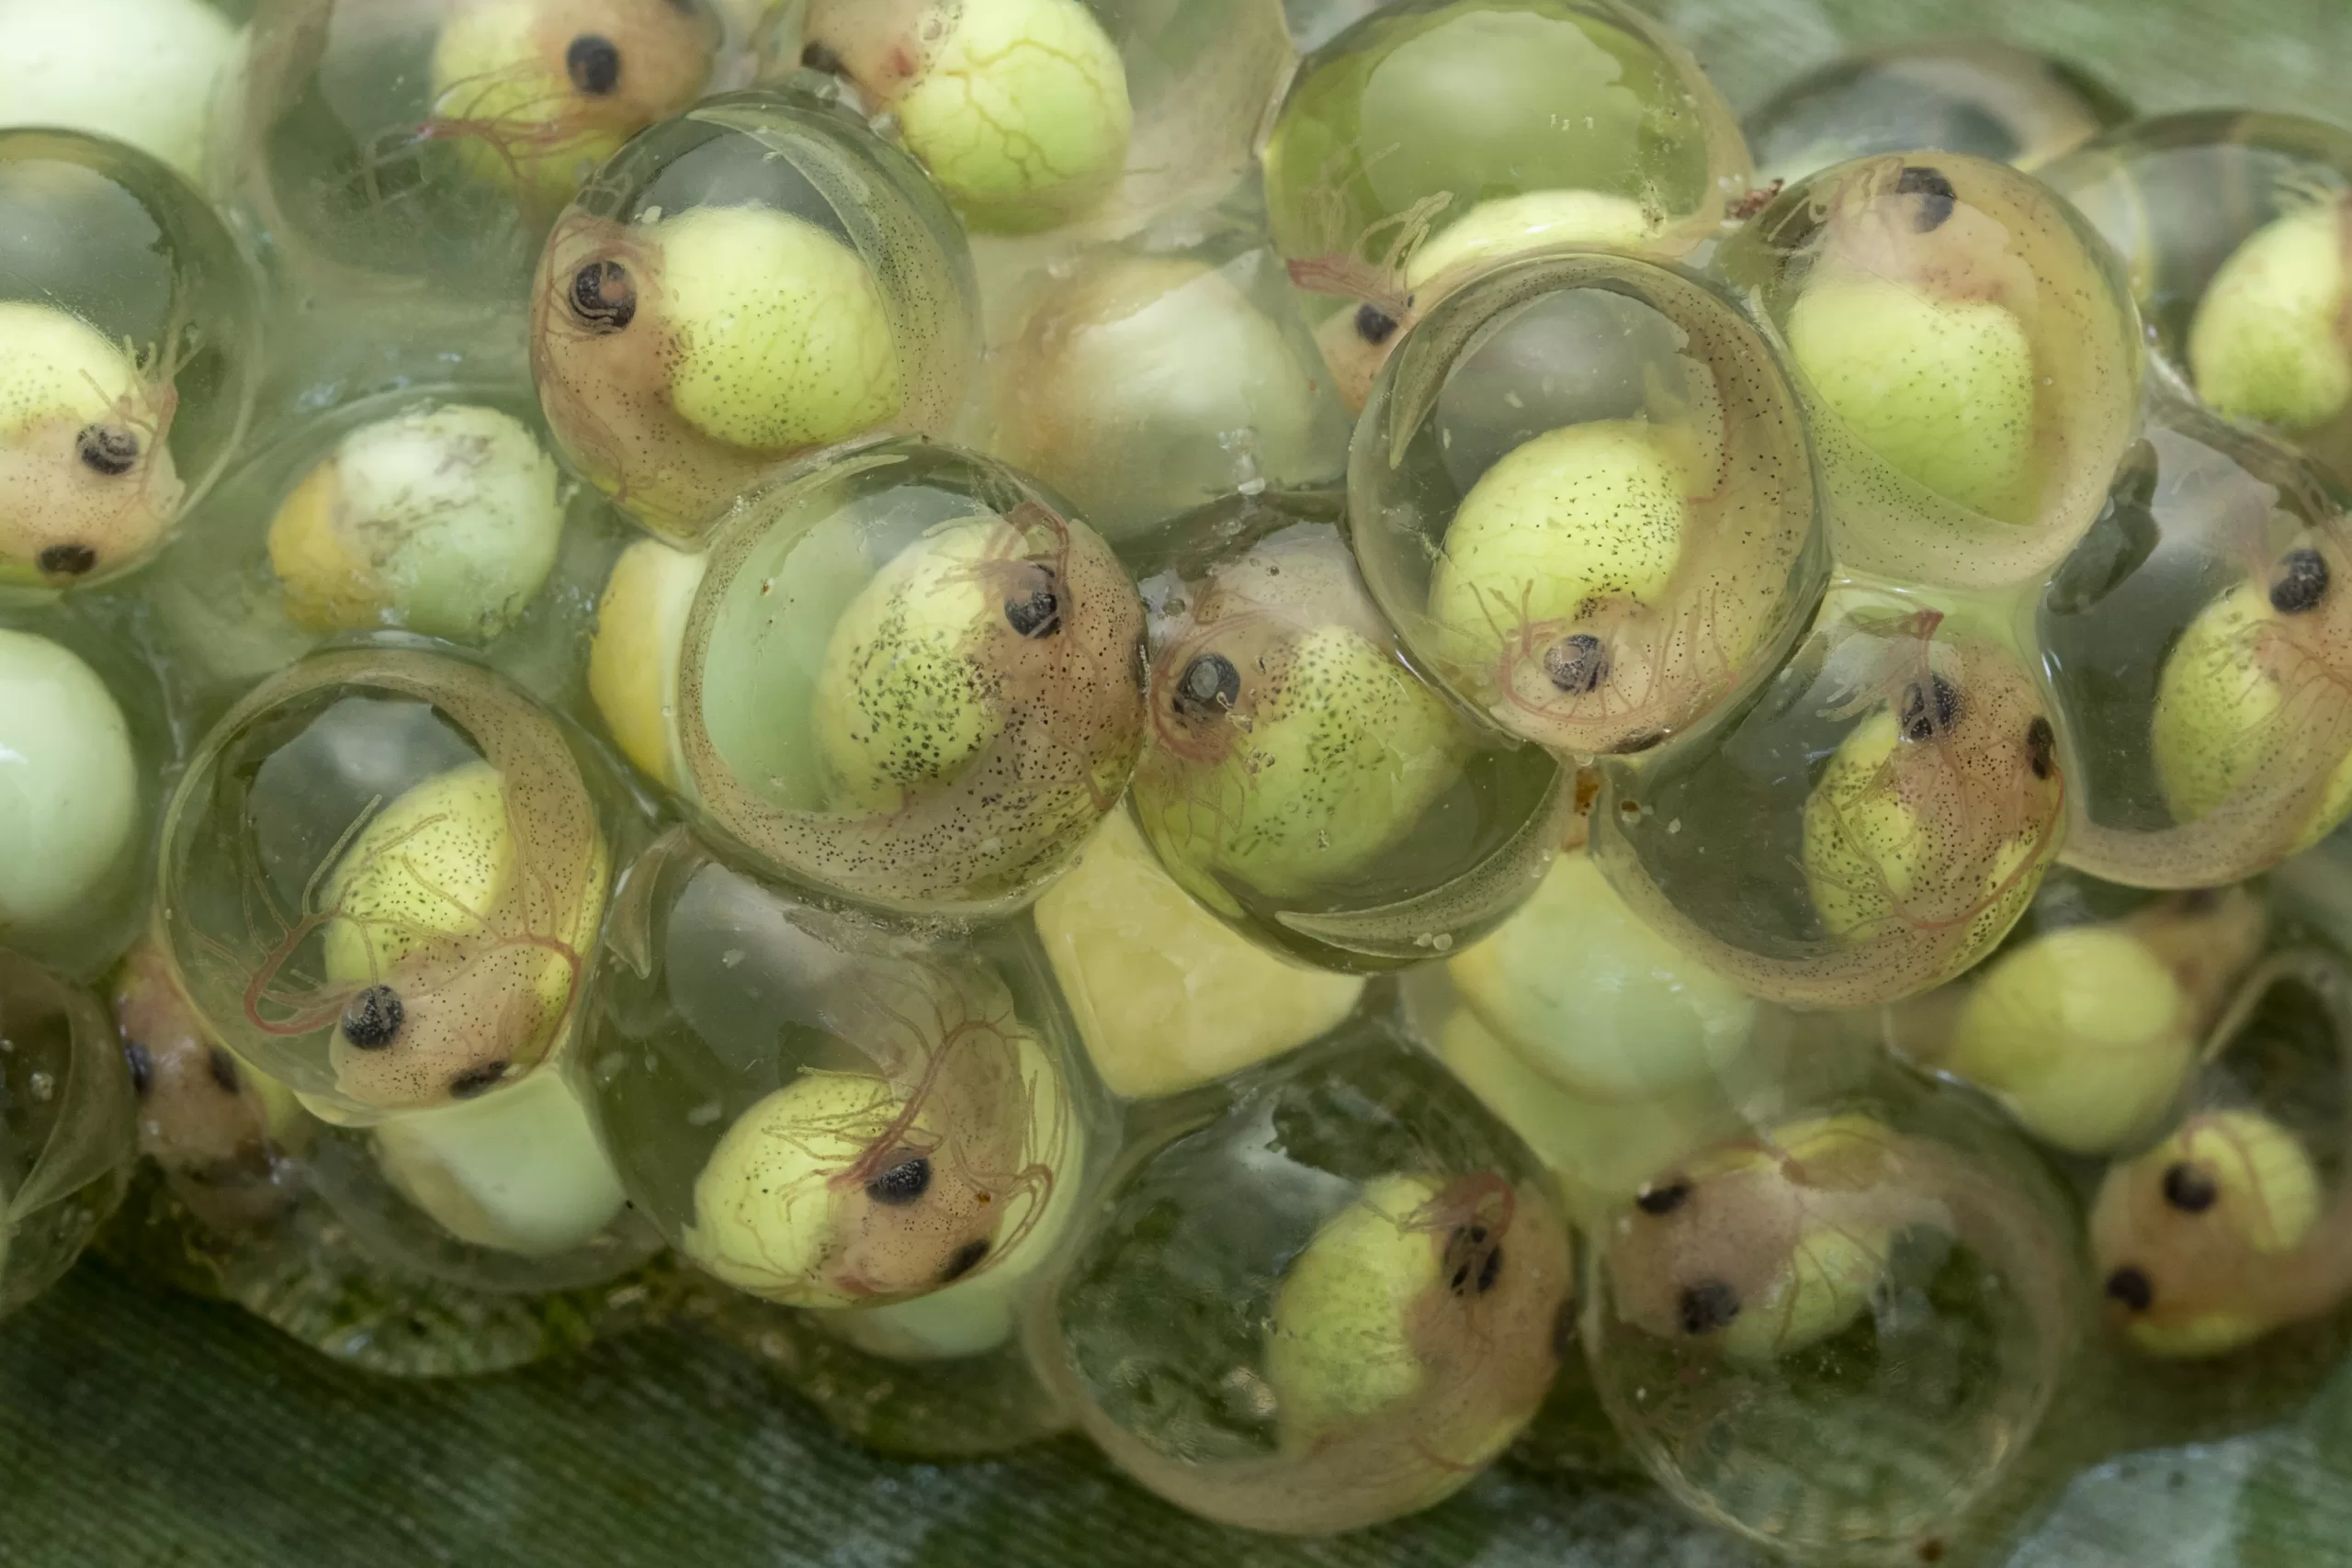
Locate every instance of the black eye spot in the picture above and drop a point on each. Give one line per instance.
(1937, 197)
(1476, 1261)
(2040, 747)
(1373, 324)
(1037, 613)
(223, 1067)
(902, 1183)
(107, 449)
(371, 1018)
(475, 1082)
(2190, 1190)
(1924, 720)
(1491, 1271)
(2301, 583)
(967, 1257)
(141, 1064)
(2130, 1287)
(1663, 1200)
(1210, 684)
(66, 560)
(595, 65)
(819, 57)
(1709, 1305)
(1576, 664)
(604, 296)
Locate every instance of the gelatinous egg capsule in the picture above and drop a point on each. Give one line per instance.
(65, 1108)
(1321, 1327)
(908, 681)
(1383, 194)
(1143, 385)
(122, 289)
(1034, 115)
(71, 840)
(443, 519)
(2230, 225)
(2088, 1023)
(820, 1110)
(1302, 782)
(2196, 643)
(381, 878)
(212, 1125)
(1968, 352)
(1166, 996)
(758, 278)
(1780, 1325)
(436, 140)
(1592, 559)
(1979, 95)
(1891, 800)
(2237, 1224)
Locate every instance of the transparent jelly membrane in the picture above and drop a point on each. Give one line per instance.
(127, 331)
(1091, 116)
(1322, 1296)
(2197, 643)
(1300, 780)
(1968, 353)
(822, 1111)
(382, 875)
(2230, 225)
(66, 1143)
(1143, 384)
(1835, 1334)
(1388, 183)
(908, 679)
(2237, 1223)
(422, 147)
(1592, 557)
(756, 279)
(2091, 1020)
(1977, 96)
(1868, 828)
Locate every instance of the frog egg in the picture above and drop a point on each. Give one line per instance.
(1833, 1334)
(633, 656)
(754, 280)
(216, 1130)
(1143, 385)
(822, 1111)
(1302, 783)
(1166, 996)
(2234, 1226)
(1597, 556)
(1978, 96)
(71, 807)
(1377, 146)
(139, 70)
(1968, 354)
(1086, 115)
(372, 146)
(2086, 1026)
(2228, 227)
(908, 681)
(1867, 828)
(69, 1144)
(127, 330)
(2193, 642)
(381, 878)
(1328, 1297)
(1595, 999)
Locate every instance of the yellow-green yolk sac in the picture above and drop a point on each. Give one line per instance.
(2267, 342)
(445, 521)
(69, 785)
(633, 661)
